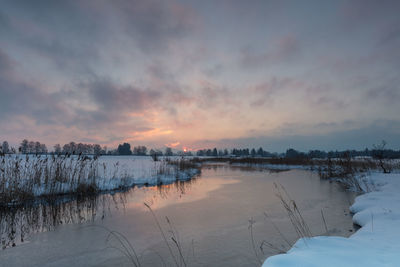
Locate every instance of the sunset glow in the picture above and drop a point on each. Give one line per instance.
(202, 74)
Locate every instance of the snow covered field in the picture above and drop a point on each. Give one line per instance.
(127, 171)
(23, 177)
(376, 243)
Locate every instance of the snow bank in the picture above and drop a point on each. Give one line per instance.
(125, 171)
(376, 243)
(47, 175)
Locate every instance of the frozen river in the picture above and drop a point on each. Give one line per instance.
(209, 215)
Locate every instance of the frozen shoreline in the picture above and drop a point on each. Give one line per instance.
(374, 244)
(43, 176)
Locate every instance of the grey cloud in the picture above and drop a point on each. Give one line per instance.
(163, 81)
(388, 92)
(20, 97)
(358, 138)
(390, 34)
(113, 103)
(325, 96)
(90, 65)
(266, 91)
(153, 24)
(214, 71)
(283, 50)
(316, 94)
(6, 64)
(55, 30)
(3, 22)
(361, 11)
(159, 71)
(213, 96)
(74, 35)
(111, 97)
(112, 106)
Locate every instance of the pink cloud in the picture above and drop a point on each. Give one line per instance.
(173, 144)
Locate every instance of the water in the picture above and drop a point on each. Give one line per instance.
(209, 216)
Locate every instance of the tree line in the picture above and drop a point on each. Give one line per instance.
(238, 152)
(35, 147)
(125, 149)
(32, 147)
(377, 151)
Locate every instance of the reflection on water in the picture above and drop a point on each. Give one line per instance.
(178, 193)
(18, 223)
(212, 212)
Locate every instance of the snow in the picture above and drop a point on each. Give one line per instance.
(376, 243)
(112, 172)
(139, 170)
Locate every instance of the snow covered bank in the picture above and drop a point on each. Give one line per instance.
(126, 171)
(376, 243)
(23, 178)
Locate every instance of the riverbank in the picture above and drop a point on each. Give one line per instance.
(374, 244)
(25, 178)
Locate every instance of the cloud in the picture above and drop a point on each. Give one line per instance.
(340, 139)
(75, 36)
(283, 50)
(121, 99)
(155, 24)
(389, 92)
(265, 92)
(175, 144)
(100, 104)
(214, 71)
(20, 97)
(159, 71)
(362, 11)
(57, 32)
(6, 64)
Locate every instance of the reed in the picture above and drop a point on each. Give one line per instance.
(23, 178)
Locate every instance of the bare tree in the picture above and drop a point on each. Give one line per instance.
(96, 149)
(57, 149)
(379, 153)
(72, 147)
(168, 151)
(38, 148)
(140, 150)
(24, 146)
(43, 149)
(5, 147)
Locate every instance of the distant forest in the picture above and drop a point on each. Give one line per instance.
(72, 148)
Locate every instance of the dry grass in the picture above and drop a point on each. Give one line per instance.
(351, 173)
(256, 161)
(296, 219)
(293, 212)
(184, 164)
(118, 241)
(25, 178)
(181, 169)
(22, 178)
(173, 242)
(346, 170)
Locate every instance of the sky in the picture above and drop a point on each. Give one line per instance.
(201, 74)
